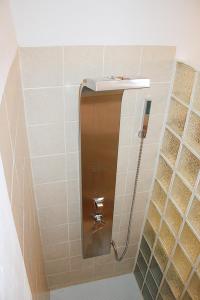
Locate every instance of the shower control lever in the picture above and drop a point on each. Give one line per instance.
(98, 218)
(99, 202)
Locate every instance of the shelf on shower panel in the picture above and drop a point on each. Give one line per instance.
(188, 166)
(149, 234)
(166, 292)
(144, 248)
(154, 217)
(181, 263)
(152, 287)
(177, 116)
(138, 276)
(194, 287)
(167, 238)
(183, 82)
(158, 196)
(190, 243)
(156, 271)
(173, 217)
(164, 173)
(194, 216)
(174, 281)
(180, 194)
(192, 136)
(160, 255)
(170, 146)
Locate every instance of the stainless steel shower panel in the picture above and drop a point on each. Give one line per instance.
(100, 123)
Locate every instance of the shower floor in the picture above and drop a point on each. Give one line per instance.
(117, 288)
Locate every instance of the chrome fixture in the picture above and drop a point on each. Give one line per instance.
(100, 108)
(116, 83)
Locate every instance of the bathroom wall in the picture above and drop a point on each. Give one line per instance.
(12, 269)
(51, 78)
(168, 263)
(16, 163)
(8, 43)
(138, 22)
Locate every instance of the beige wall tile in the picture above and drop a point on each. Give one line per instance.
(72, 104)
(74, 212)
(55, 235)
(41, 66)
(57, 266)
(75, 248)
(125, 266)
(56, 251)
(50, 194)
(157, 62)
(5, 146)
(47, 169)
(79, 263)
(72, 136)
(53, 215)
(74, 231)
(82, 62)
(13, 95)
(72, 166)
(122, 60)
(44, 105)
(46, 139)
(73, 190)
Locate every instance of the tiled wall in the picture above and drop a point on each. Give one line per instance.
(51, 78)
(16, 163)
(168, 263)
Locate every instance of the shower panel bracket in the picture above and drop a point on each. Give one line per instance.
(100, 108)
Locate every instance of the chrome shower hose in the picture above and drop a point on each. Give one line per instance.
(117, 256)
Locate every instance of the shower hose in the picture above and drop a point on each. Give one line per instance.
(118, 257)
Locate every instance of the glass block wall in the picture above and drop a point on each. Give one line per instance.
(168, 263)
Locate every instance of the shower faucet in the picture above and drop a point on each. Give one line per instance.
(100, 109)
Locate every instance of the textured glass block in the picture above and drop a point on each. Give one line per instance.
(193, 132)
(183, 83)
(182, 264)
(164, 173)
(138, 276)
(158, 196)
(170, 146)
(144, 248)
(167, 238)
(173, 217)
(156, 271)
(151, 285)
(190, 243)
(180, 194)
(177, 116)
(196, 102)
(186, 296)
(194, 216)
(198, 189)
(194, 287)
(142, 264)
(174, 281)
(160, 255)
(146, 294)
(160, 297)
(149, 234)
(154, 217)
(189, 166)
(166, 292)
(198, 270)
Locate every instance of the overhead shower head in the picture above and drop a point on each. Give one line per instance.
(115, 83)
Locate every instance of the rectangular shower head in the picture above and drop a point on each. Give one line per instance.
(116, 83)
